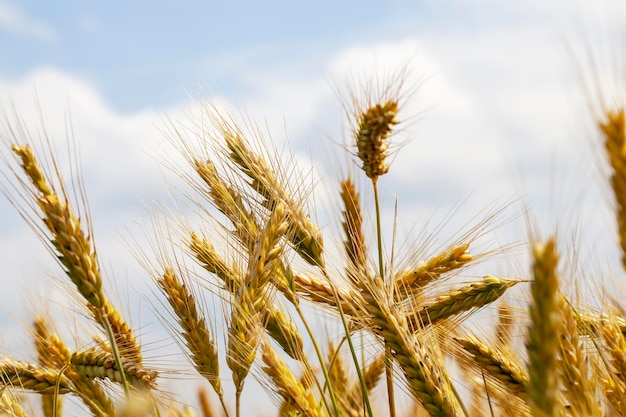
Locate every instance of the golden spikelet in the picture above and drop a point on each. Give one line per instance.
(274, 320)
(51, 352)
(230, 202)
(321, 292)
(305, 237)
(422, 365)
(504, 326)
(578, 384)
(11, 405)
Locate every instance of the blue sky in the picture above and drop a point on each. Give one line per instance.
(500, 115)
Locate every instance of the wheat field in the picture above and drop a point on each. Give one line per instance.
(406, 346)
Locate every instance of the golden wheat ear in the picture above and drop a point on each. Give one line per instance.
(300, 399)
(74, 250)
(305, 236)
(11, 405)
(52, 352)
(578, 382)
(545, 330)
(200, 343)
(614, 133)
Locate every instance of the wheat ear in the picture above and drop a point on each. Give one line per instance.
(375, 125)
(33, 378)
(578, 387)
(372, 375)
(274, 320)
(229, 202)
(502, 369)
(53, 352)
(449, 259)
(97, 363)
(249, 299)
(354, 243)
(75, 253)
(319, 291)
(544, 333)
(287, 385)
(612, 128)
(305, 237)
(200, 343)
(426, 377)
(504, 326)
(11, 405)
(470, 297)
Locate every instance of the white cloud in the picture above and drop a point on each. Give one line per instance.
(13, 20)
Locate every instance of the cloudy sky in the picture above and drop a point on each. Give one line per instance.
(500, 115)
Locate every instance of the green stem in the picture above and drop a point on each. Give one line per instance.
(381, 271)
(357, 366)
(331, 392)
(116, 353)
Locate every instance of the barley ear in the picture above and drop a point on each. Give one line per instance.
(544, 333)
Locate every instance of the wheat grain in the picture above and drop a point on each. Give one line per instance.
(578, 385)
